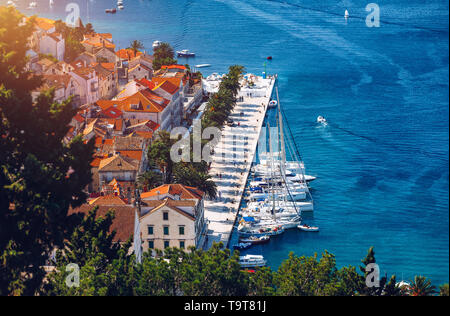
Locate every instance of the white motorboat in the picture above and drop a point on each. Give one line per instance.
(32, 5)
(273, 230)
(273, 104)
(321, 119)
(119, 2)
(120, 7)
(202, 65)
(185, 53)
(252, 261)
(306, 228)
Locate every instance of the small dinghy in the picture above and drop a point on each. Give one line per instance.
(242, 245)
(272, 104)
(306, 228)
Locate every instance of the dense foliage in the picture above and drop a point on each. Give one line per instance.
(108, 269)
(163, 55)
(40, 177)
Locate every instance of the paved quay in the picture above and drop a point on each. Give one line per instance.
(233, 158)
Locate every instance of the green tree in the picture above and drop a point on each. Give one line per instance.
(163, 55)
(375, 290)
(187, 174)
(106, 268)
(443, 290)
(149, 180)
(136, 46)
(421, 286)
(159, 154)
(40, 177)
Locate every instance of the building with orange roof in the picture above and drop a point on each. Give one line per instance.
(88, 80)
(172, 222)
(118, 167)
(94, 42)
(108, 79)
(127, 54)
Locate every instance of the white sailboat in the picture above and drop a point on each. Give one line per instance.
(346, 14)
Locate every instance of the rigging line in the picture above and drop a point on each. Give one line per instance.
(423, 28)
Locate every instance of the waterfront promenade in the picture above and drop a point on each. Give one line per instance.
(233, 158)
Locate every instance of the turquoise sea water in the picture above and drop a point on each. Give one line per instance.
(382, 163)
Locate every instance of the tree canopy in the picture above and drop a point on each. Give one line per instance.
(40, 177)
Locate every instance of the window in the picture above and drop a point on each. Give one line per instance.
(166, 244)
(181, 230)
(165, 216)
(182, 244)
(166, 230)
(150, 230)
(151, 244)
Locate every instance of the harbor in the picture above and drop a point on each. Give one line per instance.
(229, 173)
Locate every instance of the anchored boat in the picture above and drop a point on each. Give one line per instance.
(251, 261)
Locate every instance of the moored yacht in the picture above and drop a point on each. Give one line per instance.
(185, 53)
(250, 261)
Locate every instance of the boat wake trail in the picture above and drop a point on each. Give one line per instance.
(390, 145)
(363, 18)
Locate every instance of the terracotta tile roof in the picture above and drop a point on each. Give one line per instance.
(185, 192)
(181, 67)
(111, 112)
(123, 223)
(128, 143)
(99, 40)
(141, 101)
(107, 200)
(118, 163)
(44, 24)
(133, 154)
(170, 85)
(127, 53)
(102, 71)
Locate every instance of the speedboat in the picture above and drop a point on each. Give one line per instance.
(185, 53)
(272, 104)
(242, 245)
(250, 261)
(120, 7)
(112, 11)
(306, 228)
(256, 240)
(321, 119)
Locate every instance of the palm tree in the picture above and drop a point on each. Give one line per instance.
(187, 174)
(149, 180)
(136, 46)
(421, 286)
(159, 154)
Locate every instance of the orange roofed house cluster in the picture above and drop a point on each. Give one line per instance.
(122, 104)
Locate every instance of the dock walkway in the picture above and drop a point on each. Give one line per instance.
(232, 159)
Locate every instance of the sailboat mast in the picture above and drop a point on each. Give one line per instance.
(271, 173)
(280, 118)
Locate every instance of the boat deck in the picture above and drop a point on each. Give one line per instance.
(230, 173)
